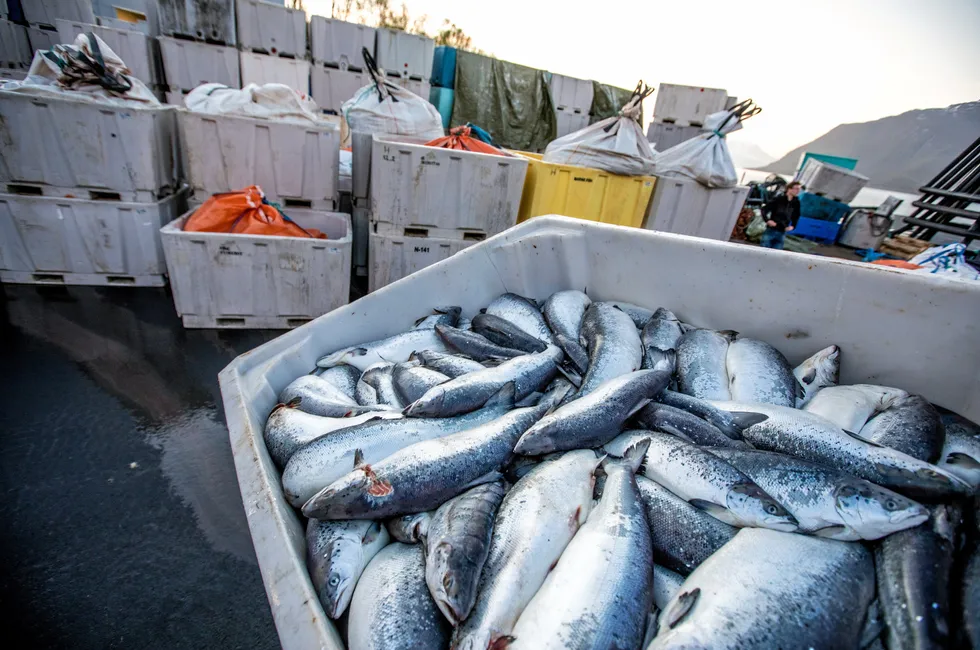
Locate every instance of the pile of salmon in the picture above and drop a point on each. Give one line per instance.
(579, 474)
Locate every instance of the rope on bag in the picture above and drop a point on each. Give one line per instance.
(381, 83)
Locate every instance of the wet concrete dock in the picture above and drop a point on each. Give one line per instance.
(122, 523)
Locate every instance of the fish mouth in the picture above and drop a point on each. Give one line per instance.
(919, 515)
(447, 610)
(786, 523)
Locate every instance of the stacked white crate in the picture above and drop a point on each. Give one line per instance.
(664, 135)
(687, 105)
(404, 55)
(427, 203)
(198, 44)
(233, 280)
(572, 99)
(338, 70)
(272, 40)
(15, 47)
(686, 207)
(86, 187)
(42, 16)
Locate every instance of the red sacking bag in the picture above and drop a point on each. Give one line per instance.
(245, 212)
(459, 138)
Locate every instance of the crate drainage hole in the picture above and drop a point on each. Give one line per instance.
(296, 322)
(120, 279)
(230, 321)
(297, 203)
(474, 236)
(416, 232)
(48, 277)
(30, 190)
(96, 195)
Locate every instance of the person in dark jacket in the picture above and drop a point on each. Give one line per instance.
(781, 214)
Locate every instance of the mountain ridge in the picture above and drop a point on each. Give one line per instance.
(899, 152)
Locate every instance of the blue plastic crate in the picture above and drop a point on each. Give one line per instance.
(444, 67)
(840, 161)
(813, 206)
(442, 99)
(822, 231)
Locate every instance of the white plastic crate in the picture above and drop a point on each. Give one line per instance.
(331, 87)
(15, 48)
(571, 94)
(42, 38)
(339, 43)
(420, 87)
(62, 146)
(263, 69)
(404, 54)
(392, 258)
(869, 311)
(686, 207)
(832, 181)
(188, 64)
(664, 136)
(687, 105)
(271, 28)
(12, 74)
(76, 241)
(360, 148)
(222, 280)
(135, 48)
(47, 12)
(569, 122)
(211, 21)
(294, 162)
(360, 226)
(442, 192)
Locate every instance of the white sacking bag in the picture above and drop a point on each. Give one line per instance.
(269, 101)
(948, 261)
(705, 158)
(87, 70)
(381, 107)
(616, 145)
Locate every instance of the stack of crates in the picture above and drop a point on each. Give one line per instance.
(406, 59)
(428, 203)
(443, 81)
(224, 280)
(41, 18)
(197, 44)
(15, 47)
(679, 113)
(572, 99)
(338, 70)
(85, 187)
(272, 43)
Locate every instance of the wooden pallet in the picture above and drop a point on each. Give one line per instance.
(903, 247)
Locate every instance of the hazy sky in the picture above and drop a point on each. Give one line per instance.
(810, 64)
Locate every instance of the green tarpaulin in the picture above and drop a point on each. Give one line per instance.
(607, 101)
(510, 101)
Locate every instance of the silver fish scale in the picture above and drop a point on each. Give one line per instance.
(564, 312)
(413, 382)
(449, 364)
(523, 313)
(911, 425)
(613, 344)
(683, 536)
(343, 377)
(760, 373)
(702, 369)
(391, 607)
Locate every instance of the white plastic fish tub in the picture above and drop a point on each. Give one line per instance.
(913, 331)
(832, 181)
(270, 28)
(295, 162)
(188, 64)
(266, 69)
(684, 206)
(56, 144)
(234, 281)
(338, 43)
(414, 186)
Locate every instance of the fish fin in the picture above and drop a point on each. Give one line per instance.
(731, 335)
(681, 607)
(372, 532)
(291, 404)
(489, 477)
(574, 379)
(799, 390)
(574, 351)
(358, 458)
(483, 311)
(745, 419)
(712, 509)
(829, 532)
(810, 376)
(962, 460)
(858, 437)
(635, 455)
(639, 406)
(418, 321)
(504, 397)
(493, 362)
(656, 358)
(874, 624)
(501, 642)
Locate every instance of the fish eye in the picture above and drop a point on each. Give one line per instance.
(334, 581)
(771, 509)
(890, 504)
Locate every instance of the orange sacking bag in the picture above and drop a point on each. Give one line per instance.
(898, 264)
(459, 138)
(245, 212)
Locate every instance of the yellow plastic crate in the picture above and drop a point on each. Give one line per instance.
(583, 193)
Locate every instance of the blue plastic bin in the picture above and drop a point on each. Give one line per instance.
(824, 232)
(442, 99)
(444, 67)
(840, 161)
(813, 206)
